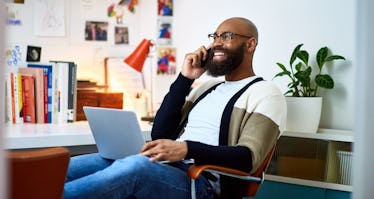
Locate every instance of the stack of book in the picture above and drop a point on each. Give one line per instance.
(41, 93)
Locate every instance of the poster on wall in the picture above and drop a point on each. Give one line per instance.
(165, 7)
(121, 35)
(96, 31)
(166, 61)
(14, 14)
(164, 31)
(49, 17)
(14, 55)
(33, 53)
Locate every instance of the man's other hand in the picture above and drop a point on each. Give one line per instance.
(165, 150)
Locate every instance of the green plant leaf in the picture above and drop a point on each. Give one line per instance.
(282, 66)
(304, 76)
(324, 81)
(293, 84)
(304, 56)
(281, 74)
(288, 92)
(298, 66)
(294, 53)
(334, 57)
(321, 57)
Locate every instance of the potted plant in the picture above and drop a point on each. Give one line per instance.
(303, 104)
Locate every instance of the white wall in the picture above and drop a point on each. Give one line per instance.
(282, 25)
(88, 55)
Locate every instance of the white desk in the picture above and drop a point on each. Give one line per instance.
(21, 136)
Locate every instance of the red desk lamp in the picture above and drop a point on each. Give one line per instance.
(136, 60)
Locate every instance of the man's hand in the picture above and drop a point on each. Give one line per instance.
(164, 149)
(192, 63)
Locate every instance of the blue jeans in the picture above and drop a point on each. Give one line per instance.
(91, 176)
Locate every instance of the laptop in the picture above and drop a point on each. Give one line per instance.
(116, 132)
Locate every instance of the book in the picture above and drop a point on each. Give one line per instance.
(48, 70)
(5, 110)
(38, 74)
(18, 97)
(9, 106)
(62, 93)
(28, 96)
(72, 88)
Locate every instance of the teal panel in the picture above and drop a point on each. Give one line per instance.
(333, 194)
(278, 190)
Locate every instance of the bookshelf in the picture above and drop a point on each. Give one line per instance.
(321, 160)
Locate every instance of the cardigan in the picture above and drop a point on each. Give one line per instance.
(256, 122)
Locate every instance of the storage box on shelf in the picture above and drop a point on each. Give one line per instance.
(98, 99)
(91, 94)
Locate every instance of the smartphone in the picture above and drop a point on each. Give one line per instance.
(203, 62)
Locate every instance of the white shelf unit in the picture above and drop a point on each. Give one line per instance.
(324, 134)
(333, 138)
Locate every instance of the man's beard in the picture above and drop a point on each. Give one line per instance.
(233, 59)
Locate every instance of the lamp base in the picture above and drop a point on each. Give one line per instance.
(148, 118)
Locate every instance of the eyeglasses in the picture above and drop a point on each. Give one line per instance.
(225, 36)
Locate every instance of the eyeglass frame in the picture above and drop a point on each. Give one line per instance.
(214, 36)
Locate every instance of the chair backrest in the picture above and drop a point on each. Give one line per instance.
(252, 186)
(38, 174)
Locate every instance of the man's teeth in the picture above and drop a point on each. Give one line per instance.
(218, 53)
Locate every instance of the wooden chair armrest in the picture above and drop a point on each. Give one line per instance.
(196, 170)
(31, 155)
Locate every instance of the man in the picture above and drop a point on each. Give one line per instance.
(231, 123)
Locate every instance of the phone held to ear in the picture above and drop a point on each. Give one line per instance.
(203, 62)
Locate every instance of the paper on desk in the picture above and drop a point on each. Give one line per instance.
(123, 78)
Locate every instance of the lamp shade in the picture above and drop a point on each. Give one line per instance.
(137, 57)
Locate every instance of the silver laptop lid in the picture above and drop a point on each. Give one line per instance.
(116, 132)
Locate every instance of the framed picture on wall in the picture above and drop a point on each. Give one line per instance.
(166, 61)
(121, 35)
(164, 31)
(165, 7)
(96, 31)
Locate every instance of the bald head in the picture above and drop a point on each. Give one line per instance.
(242, 26)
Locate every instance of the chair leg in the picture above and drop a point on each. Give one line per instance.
(193, 189)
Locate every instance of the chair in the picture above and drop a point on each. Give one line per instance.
(38, 174)
(253, 179)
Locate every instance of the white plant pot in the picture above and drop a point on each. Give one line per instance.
(303, 114)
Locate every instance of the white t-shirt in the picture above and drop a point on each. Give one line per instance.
(205, 118)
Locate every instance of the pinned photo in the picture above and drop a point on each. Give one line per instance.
(121, 35)
(96, 31)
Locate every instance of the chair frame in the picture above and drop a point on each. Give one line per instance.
(254, 180)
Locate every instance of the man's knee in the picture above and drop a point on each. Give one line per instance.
(134, 161)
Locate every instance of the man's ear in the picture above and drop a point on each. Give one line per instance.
(251, 44)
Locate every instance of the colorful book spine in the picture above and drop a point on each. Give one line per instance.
(38, 74)
(13, 109)
(18, 98)
(48, 69)
(28, 96)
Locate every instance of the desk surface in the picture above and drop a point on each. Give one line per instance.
(21, 136)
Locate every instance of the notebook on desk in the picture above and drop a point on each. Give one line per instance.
(116, 132)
